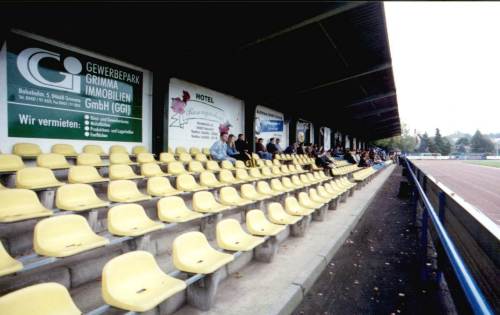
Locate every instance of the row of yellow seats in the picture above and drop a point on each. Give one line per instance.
(135, 282)
(343, 170)
(192, 151)
(33, 149)
(338, 163)
(361, 175)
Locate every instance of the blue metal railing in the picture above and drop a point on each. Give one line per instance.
(475, 297)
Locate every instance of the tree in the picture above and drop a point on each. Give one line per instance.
(405, 142)
(439, 142)
(481, 144)
(424, 143)
(462, 141)
(446, 147)
(433, 148)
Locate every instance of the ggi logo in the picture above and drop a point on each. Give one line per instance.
(27, 63)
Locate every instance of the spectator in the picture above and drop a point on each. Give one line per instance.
(261, 150)
(278, 146)
(231, 147)
(300, 148)
(271, 147)
(292, 148)
(364, 161)
(348, 156)
(218, 150)
(243, 148)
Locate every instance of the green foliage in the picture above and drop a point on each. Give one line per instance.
(463, 141)
(404, 142)
(481, 144)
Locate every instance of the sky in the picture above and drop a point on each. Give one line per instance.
(446, 64)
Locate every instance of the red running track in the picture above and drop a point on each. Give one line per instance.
(476, 184)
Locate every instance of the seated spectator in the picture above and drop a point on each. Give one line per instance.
(322, 160)
(300, 149)
(243, 148)
(218, 150)
(364, 161)
(278, 146)
(261, 150)
(231, 147)
(292, 148)
(271, 146)
(348, 156)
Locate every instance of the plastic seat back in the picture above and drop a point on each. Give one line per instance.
(284, 169)
(176, 168)
(264, 188)
(230, 196)
(227, 165)
(292, 168)
(63, 149)
(255, 173)
(278, 215)
(119, 158)
(124, 190)
(194, 151)
(305, 179)
(93, 149)
(276, 162)
(89, 159)
(249, 192)
(240, 164)
(52, 161)
(10, 163)
(138, 149)
(117, 149)
(130, 220)
(258, 224)
(145, 157)
(174, 209)
(255, 156)
(151, 170)
(276, 170)
(266, 171)
(180, 150)
(213, 166)
(185, 157)
(268, 163)
(208, 179)
(242, 174)
(297, 182)
(201, 157)
(160, 186)
(204, 201)
(196, 167)
(166, 157)
(75, 196)
(226, 176)
(36, 177)
(41, 299)
(20, 204)
(287, 183)
(187, 182)
(84, 174)
(26, 149)
(121, 171)
(8, 264)
(206, 151)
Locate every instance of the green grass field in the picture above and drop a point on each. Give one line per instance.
(491, 163)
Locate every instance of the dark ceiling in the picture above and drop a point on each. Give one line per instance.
(328, 62)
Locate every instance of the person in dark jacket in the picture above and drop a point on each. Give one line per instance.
(243, 148)
(271, 147)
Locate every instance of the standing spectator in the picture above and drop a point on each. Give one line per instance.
(261, 150)
(218, 150)
(278, 146)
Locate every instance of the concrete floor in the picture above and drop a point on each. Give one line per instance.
(278, 287)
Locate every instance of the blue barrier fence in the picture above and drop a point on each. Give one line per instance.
(475, 297)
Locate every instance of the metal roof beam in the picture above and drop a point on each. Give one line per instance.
(372, 98)
(375, 112)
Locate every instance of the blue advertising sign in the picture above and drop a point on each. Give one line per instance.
(271, 125)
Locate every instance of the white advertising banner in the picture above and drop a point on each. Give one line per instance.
(354, 144)
(347, 142)
(197, 115)
(327, 134)
(269, 124)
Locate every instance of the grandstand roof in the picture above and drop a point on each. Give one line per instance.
(300, 58)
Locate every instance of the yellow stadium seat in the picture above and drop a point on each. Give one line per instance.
(194, 151)
(120, 158)
(226, 176)
(292, 169)
(240, 164)
(249, 192)
(166, 157)
(64, 149)
(204, 201)
(284, 169)
(47, 298)
(20, 204)
(230, 236)
(277, 186)
(180, 150)
(170, 150)
(299, 168)
(8, 264)
(138, 149)
(268, 163)
(276, 171)
(145, 157)
(89, 159)
(333, 189)
(131, 220)
(255, 173)
(316, 197)
(263, 188)
(159, 186)
(36, 178)
(229, 196)
(312, 178)
(208, 179)
(325, 194)
(65, 235)
(242, 175)
(195, 167)
(122, 171)
(125, 191)
(206, 151)
(304, 180)
(78, 197)
(293, 207)
(151, 170)
(93, 149)
(52, 161)
(306, 202)
(200, 157)
(287, 183)
(227, 165)
(10, 163)
(276, 162)
(134, 282)
(192, 253)
(176, 168)
(255, 156)
(186, 182)
(2, 186)
(297, 182)
(213, 166)
(277, 214)
(260, 163)
(185, 158)
(266, 172)
(258, 224)
(174, 209)
(83, 174)
(26, 149)
(117, 149)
